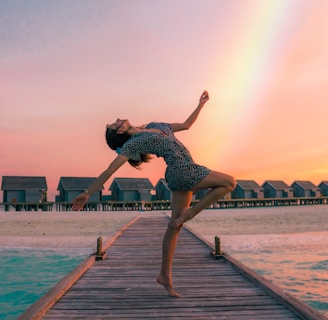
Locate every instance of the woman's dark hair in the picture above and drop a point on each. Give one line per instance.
(115, 140)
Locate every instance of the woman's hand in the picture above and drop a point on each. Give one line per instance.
(154, 130)
(204, 98)
(80, 201)
(137, 130)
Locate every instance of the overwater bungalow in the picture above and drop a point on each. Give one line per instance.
(305, 189)
(24, 192)
(70, 187)
(277, 189)
(247, 189)
(131, 189)
(162, 190)
(323, 186)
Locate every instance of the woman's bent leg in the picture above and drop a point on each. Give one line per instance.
(220, 185)
(180, 200)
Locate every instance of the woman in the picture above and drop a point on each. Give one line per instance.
(184, 176)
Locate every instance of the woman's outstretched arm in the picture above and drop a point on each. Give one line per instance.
(81, 200)
(193, 117)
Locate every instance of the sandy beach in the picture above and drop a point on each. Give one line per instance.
(59, 229)
(261, 229)
(238, 229)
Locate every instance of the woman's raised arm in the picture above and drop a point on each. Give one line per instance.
(193, 117)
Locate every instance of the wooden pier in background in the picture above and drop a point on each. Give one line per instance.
(123, 284)
(220, 204)
(163, 204)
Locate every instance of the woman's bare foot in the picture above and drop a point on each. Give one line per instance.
(168, 286)
(183, 218)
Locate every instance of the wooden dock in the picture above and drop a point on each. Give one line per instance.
(123, 286)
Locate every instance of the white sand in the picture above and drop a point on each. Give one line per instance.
(262, 229)
(60, 229)
(238, 229)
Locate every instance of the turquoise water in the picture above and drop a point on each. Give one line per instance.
(303, 274)
(26, 275)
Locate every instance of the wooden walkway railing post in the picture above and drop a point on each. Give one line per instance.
(100, 254)
(217, 246)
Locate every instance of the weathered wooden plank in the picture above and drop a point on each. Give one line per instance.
(175, 314)
(194, 315)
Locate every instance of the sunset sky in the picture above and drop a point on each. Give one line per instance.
(67, 68)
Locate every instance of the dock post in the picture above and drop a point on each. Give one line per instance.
(100, 254)
(217, 251)
(99, 245)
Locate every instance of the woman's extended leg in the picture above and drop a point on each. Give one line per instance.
(180, 201)
(220, 185)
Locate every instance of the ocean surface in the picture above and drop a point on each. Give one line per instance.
(301, 272)
(26, 275)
